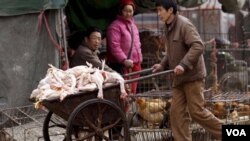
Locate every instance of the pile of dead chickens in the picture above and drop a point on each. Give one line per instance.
(59, 83)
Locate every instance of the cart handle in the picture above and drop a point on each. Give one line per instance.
(138, 72)
(149, 76)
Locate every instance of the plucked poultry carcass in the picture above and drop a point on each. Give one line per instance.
(59, 83)
(105, 77)
(151, 110)
(114, 77)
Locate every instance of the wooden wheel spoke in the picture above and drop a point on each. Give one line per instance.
(92, 115)
(106, 138)
(100, 114)
(93, 134)
(103, 109)
(112, 125)
(89, 135)
(91, 125)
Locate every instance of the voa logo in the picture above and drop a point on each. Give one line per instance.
(236, 132)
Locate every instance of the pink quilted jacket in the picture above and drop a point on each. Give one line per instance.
(119, 41)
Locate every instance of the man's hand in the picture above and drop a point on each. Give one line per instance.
(178, 70)
(157, 68)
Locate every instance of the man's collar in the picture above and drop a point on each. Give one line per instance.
(93, 51)
(172, 24)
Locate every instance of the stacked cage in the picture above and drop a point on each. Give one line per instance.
(150, 119)
(153, 49)
(155, 89)
(21, 123)
(231, 107)
(146, 124)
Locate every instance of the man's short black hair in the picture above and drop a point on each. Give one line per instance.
(91, 30)
(167, 4)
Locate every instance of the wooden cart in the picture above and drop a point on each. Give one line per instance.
(85, 117)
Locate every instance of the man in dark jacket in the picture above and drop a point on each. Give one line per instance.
(184, 54)
(87, 51)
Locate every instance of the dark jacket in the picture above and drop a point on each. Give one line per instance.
(184, 47)
(84, 54)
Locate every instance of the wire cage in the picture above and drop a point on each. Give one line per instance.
(223, 36)
(142, 129)
(234, 108)
(150, 118)
(217, 29)
(141, 134)
(21, 123)
(200, 134)
(156, 83)
(153, 51)
(152, 45)
(231, 107)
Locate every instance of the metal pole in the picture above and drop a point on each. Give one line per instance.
(149, 76)
(138, 72)
(64, 37)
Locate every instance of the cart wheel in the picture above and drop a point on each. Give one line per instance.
(98, 120)
(54, 126)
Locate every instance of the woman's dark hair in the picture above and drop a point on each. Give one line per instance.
(91, 30)
(167, 4)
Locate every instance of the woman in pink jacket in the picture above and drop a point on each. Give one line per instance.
(124, 46)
